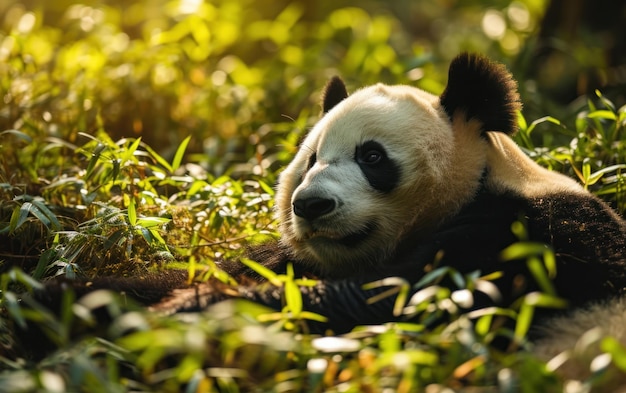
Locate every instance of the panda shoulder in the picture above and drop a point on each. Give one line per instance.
(510, 169)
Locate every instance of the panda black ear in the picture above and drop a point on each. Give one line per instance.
(334, 92)
(484, 90)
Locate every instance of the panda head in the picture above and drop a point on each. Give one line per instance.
(390, 161)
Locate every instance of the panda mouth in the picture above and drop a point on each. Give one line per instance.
(349, 240)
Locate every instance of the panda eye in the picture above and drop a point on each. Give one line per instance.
(312, 161)
(370, 153)
(372, 157)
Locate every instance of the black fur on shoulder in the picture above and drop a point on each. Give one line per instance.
(334, 92)
(484, 90)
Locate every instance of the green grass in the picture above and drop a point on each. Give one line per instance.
(150, 141)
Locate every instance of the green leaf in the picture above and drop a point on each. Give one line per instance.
(265, 187)
(417, 356)
(433, 276)
(157, 237)
(605, 100)
(114, 238)
(483, 324)
(313, 316)
(34, 210)
(399, 285)
(540, 275)
(132, 212)
(51, 218)
(149, 222)
(95, 157)
(12, 305)
(264, 272)
(45, 259)
(602, 114)
(67, 314)
(524, 320)
(19, 216)
(545, 119)
(616, 349)
(293, 298)
(549, 261)
(115, 171)
(186, 368)
(146, 234)
(159, 158)
(21, 277)
(129, 152)
(521, 121)
(522, 250)
(594, 177)
(178, 157)
(581, 122)
(586, 170)
(25, 137)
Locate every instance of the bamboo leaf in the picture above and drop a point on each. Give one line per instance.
(52, 218)
(313, 316)
(178, 157)
(432, 277)
(130, 151)
(19, 134)
(157, 237)
(293, 298)
(605, 100)
(19, 216)
(586, 170)
(540, 275)
(545, 119)
(596, 176)
(522, 250)
(132, 212)
(524, 320)
(34, 210)
(521, 121)
(95, 157)
(12, 305)
(263, 271)
(602, 114)
(146, 234)
(159, 158)
(150, 222)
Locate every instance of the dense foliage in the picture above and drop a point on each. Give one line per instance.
(137, 137)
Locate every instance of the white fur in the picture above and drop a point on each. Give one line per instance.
(572, 343)
(512, 170)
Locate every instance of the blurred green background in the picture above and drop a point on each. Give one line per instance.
(82, 195)
(241, 75)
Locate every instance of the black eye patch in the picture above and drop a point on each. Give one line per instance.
(381, 172)
(312, 161)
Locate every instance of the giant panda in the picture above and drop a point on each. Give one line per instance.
(393, 181)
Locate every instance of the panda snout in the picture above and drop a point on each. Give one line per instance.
(312, 208)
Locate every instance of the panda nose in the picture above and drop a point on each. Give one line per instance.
(312, 208)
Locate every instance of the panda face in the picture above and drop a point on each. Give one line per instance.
(371, 170)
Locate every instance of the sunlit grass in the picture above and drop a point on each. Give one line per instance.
(132, 143)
